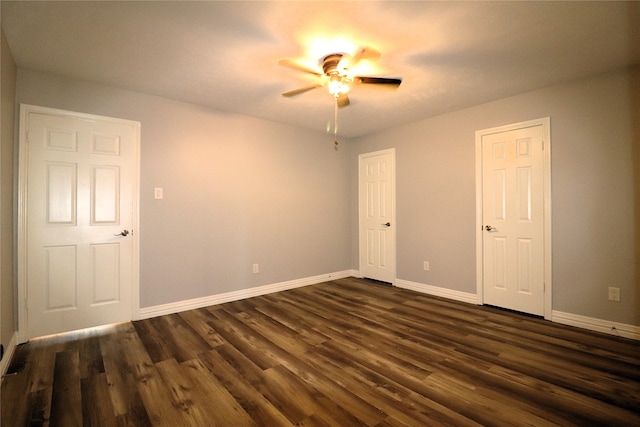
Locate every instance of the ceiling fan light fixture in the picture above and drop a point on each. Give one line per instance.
(338, 86)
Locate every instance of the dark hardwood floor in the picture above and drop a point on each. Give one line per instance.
(342, 353)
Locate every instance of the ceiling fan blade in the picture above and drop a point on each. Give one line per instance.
(364, 53)
(295, 66)
(301, 90)
(391, 83)
(343, 100)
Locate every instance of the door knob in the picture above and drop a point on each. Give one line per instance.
(388, 224)
(123, 233)
(489, 228)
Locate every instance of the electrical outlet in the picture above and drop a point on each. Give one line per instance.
(614, 294)
(256, 268)
(426, 266)
(158, 193)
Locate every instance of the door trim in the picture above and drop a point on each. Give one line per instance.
(546, 135)
(25, 110)
(392, 152)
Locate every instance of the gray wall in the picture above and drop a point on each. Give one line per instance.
(237, 191)
(595, 135)
(240, 191)
(7, 108)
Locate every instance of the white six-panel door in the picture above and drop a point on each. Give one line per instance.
(377, 215)
(79, 214)
(513, 219)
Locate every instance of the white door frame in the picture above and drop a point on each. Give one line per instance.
(26, 109)
(546, 134)
(391, 151)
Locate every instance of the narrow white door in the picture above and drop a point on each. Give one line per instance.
(513, 219)
(79, 220)
(377, 215)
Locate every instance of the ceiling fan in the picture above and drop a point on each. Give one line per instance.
(336, 74)
(337, 77)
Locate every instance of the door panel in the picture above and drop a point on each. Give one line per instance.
(81, 191)
(105, 269)
(61, 193)
(377, 225)
(105, 195)
(60, 287)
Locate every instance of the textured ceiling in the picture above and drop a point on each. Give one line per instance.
(225, 55)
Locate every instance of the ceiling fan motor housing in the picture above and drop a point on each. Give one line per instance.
(330, 63)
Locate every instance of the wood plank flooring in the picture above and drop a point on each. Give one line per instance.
(342, 353)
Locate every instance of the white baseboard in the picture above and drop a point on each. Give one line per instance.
(438, 291)
(8, 355)
(590, 323)
(598, 325)
(176, 307)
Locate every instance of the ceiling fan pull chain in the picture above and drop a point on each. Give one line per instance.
(335, 122)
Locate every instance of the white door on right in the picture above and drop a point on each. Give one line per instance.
(513, 219)
(377, 223)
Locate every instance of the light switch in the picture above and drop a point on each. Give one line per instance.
(157, 192)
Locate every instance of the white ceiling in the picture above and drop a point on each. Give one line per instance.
(225, 55)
